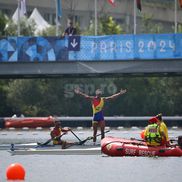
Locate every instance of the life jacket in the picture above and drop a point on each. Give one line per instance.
(152, 135)
(97, 105)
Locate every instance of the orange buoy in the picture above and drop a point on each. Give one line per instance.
(142, 134)
(15, 172)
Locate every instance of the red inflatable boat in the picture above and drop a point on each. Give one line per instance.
(31, 122)
(112, 146)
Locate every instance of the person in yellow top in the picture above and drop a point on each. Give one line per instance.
(57, 132)
(97, 107)
(164, 129)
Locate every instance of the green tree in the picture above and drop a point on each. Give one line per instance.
(106, 26)
(109, 26)
(50, 31)
(27, 27)
(25, 96)
(43, 97)
(5, 109)
(3, 21)
(179, 28)
(148, 26)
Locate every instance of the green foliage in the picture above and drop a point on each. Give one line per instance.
(42, 97)
(24, 96)
(50, 31)
(3, 21)
(27, 27)
(109, 26)
(179, 28)
(106, 26)
(5, 109)
(148, 26)
(77, 26)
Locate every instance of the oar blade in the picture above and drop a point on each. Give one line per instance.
(90, 138)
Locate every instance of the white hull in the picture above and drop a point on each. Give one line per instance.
(70, 151)
(19, 146)
(27, 146)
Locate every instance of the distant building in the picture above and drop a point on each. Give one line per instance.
(82, 11)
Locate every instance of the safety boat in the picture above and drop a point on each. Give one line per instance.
(113, 146)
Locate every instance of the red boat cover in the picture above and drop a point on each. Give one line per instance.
(29, 122)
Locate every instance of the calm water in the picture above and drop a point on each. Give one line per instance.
(89, 168)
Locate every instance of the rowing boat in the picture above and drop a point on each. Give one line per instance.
(81, 150)
(26, 145)
(19, 146)
(113, 146)
(77, 148)
(41, 146)
(34, 148)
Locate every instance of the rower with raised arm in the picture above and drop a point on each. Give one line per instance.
(97, 106)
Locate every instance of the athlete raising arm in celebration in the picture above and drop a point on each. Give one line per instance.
(97, 106)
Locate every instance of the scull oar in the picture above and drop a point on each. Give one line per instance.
(48, 141)
(75, 135)
(83, 141)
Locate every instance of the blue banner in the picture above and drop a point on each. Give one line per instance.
(91, 48)
(129, 47)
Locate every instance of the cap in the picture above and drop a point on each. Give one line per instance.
(159, 116)
(153, 120)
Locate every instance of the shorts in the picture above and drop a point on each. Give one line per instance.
(98, 117)
(58, 142)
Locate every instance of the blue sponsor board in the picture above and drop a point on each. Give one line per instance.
(130, 47)
(91, 48)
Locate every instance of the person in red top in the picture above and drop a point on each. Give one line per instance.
(97, 106)
(57, 132)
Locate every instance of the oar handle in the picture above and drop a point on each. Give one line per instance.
(104, 132)
(48, 141)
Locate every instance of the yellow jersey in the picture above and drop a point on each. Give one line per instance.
(164, 129)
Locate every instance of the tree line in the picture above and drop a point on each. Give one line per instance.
(44, 97)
